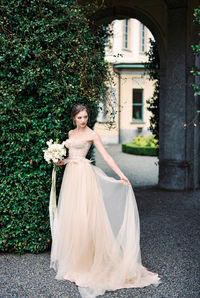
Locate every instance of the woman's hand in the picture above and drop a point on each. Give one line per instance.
(60, 162)
(125, 179)
(108, 159)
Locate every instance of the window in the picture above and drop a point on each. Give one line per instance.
(102, 114)
(107, 107)
(137, 105)
(125, 35)
(113, 104)
(142, 38)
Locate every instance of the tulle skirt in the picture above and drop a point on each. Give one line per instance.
(96, 232)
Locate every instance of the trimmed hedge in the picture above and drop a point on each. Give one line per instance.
(52, 57)
(132, 149)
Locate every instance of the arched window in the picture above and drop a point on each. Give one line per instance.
(125, 34)
(142, 38)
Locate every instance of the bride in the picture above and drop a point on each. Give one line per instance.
(96, 231)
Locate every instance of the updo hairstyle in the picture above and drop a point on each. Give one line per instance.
(78, 108)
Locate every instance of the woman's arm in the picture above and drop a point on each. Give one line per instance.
(107, 157)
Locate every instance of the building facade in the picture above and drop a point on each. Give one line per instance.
(124, 113)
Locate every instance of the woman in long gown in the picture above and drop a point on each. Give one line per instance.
(96, 232)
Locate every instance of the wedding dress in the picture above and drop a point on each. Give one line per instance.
(95, 231)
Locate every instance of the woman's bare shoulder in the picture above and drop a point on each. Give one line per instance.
(70, 132)
(95, 135)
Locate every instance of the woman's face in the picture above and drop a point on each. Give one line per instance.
(81, 118)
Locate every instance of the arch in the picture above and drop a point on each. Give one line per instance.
(107, 15)
(171, 24)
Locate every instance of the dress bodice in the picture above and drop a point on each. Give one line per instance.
(77, 148)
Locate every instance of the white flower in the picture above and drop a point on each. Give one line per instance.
(49, 142)
(54, 151)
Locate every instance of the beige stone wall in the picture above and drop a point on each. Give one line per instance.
(128, 83)
(128, 128)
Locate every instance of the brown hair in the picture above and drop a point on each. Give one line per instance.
(78, 108)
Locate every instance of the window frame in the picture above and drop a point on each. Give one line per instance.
(108, 107)
(142, 38)
(138, 104)
(126, 34)
(102, 115)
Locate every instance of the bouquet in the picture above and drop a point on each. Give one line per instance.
(54, 152)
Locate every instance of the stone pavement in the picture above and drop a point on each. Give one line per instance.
(140, 170)
(170, 241)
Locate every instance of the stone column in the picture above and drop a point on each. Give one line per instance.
(174, 168)
(193, 104)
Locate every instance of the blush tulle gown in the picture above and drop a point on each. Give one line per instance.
(96, 231)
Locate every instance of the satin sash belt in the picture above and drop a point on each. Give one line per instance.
(77, 160)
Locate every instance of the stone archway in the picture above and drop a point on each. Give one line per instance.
(170, 21)
(107, 15)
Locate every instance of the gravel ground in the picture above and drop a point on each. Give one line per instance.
(169, 245)
(131, 165)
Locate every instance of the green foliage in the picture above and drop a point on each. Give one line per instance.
(52, 57)
(145, 141)
(138, 150)
(196, 51)
(142, 145)
(152, 67)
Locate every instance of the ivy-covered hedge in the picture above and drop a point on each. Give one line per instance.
(52, 57)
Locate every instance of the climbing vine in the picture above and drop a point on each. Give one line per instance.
(152, 67)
